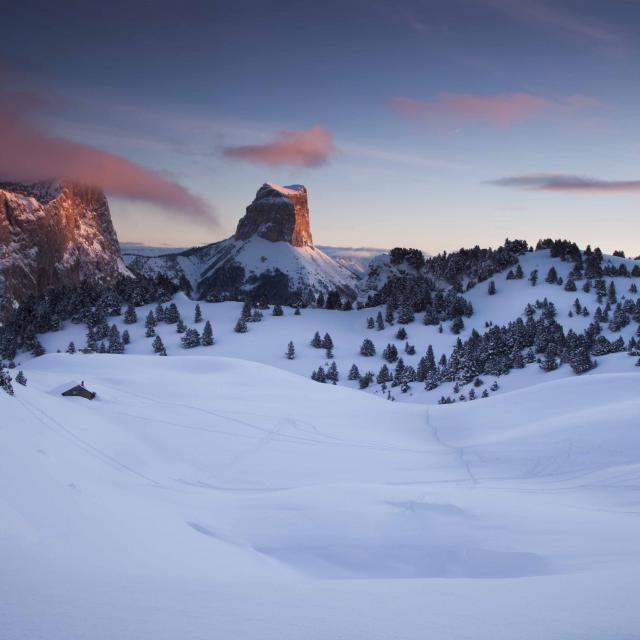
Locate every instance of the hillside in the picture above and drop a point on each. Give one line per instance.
(196, 489)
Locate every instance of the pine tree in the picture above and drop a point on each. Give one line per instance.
(409, 349)
(495, 386)
(160, 314)
(405, 313)
(246, 310)
(241, 325)
(570, 285)
(207, 335)
(485, 394)
(297, 311)
(354, 373)
(115, 341)
(384, 375)
(38, 350)
(256, 316)
(390, 353)
(332, 373)
(365, 380)
(389, 314)
(126, 338)
(472, 394)
(130, 315)
(158, 346)
(401, 334)
(492, 288)
(367, 349)
(150, 320)
(71, 348)
(327, 342)
(291, 351)
(552, 276)
(180, 326)
(190, 339)
(5, 381)
(370, 323)
(150, 332)
(519, 272)
(533, 277)
(581, 360)
(197, 316)
(549, 362)
(21, 379)
(457, 325)
(316, 341)
(379, 321)
(277, 310)
(171, 314)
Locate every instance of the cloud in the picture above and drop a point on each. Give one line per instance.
(310, 148)
(29, 153)
(547, 15)
(500, 111)
(567, 183)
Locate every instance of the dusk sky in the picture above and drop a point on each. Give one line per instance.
(427, 124)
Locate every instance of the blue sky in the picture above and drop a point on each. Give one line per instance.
(399, 116)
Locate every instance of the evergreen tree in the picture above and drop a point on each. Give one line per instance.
(190, 339)
(366, 380)
(485, 394)
(277, 310)
(21, 379)
(38, 350)
(247, 308)
(171, 314)
(519, 272)
(71, 348)
(126, 338)
(130, 315)
(241, 325)
(581, 360)
(384, 375)
(367, 349)
(115, 341)
(256, 316)
(495, 386)
(150, 331)
(552, 276)
(472, 394)
(291, 351)
(379, 321)
(370, 323)
(409, 349)
(197, 316)
(332, 373)
(180, 326)
(611, 293)
(158, 346)
(354, 373)
(457, 325)
(405, 313)
(5, 381)
(492, 288)
(401, 334)
(160, 313)
(297, 311)
(316, 341)
(327, 342)
(390, 353)
(570, 285)
(150, 322)
(207, 335)
(549, 362)
(389, 314)
(533, 277)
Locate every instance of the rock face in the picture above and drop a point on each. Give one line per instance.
(54, 234)
(271, 257)
(278, 214)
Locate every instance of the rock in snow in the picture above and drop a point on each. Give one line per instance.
(54, 234)
(271, 255)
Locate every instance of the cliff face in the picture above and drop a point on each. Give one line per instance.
(278, 214)
(54, 234)
(270, 257)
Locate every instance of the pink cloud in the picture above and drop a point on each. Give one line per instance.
(310, 148)
(499, 111)
(29, 153)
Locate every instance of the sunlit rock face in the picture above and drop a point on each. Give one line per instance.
(54, 234)
(278, 214)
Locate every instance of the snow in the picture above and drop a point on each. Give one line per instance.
(217, 497)
(220, 493)
(289, 190)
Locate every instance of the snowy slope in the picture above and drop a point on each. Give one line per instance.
(212, 497)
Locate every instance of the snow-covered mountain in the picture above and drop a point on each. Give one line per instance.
(54, 234)
(271, 255)
(355, 259)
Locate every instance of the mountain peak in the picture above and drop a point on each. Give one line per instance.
(278, 214)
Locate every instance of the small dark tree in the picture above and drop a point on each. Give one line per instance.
(366, 380)
(130, 315)
(401, 334)
(370, 323)
(207, 335)
(5, 381)
(367, 349)
(390, 353)
(354, 373)
(316, 341)
(379, 321)
(241, 325)
(190, 339)
(21, 379)
(327, 342)
(38, 349)
(126, 338)
(71, 348)
(277, 310)
(180, 326)
(332, 373)
(197, 316)
(457, 325)
(158, 346)
(533, 277)
(291, 351)
(491, 290)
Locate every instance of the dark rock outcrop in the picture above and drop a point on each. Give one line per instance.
(54, 234)
(278, 214)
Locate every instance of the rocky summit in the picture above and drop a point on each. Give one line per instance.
(278, 214)
(54, 234)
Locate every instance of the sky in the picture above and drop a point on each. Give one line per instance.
(427, 124)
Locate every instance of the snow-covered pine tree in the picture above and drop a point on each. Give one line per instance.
(180, 326)
(316, 341)
(367, 348)
(158, 346)
(190, 339)
(533, 277)
(5, 380)
(126, 338)
(130, 315)
(390, 353)
(457, 325)
(38, 350)
(401, 334)
(492, 288)
(207, 335)
(332, 373)
(365, 380)
(71, 348)
(379, 322)
(327, 342)
(277, 310)
(21, 379)
(160, 313)
(171, 314)
(354, 373)
(291, 351)
(197, 315)
(241, 325)
(370, 323)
